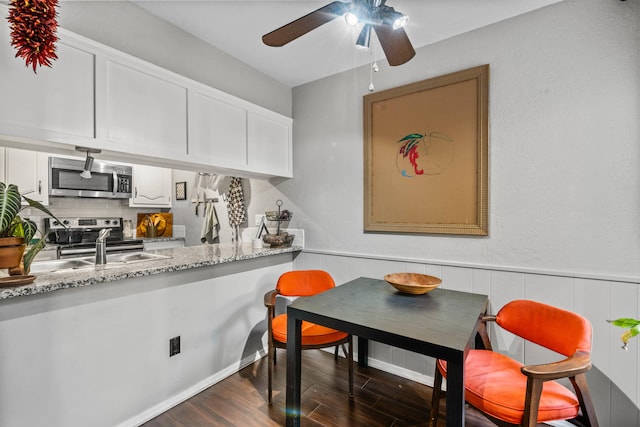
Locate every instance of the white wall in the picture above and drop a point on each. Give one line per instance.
(563, 163)
(128, 28)
(98, 355)
(564, 186)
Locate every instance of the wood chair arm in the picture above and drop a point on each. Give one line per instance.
(578, 363)
(483, 333)
(270, 298)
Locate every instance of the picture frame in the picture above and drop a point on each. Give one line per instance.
(426, 156)
(181, 190)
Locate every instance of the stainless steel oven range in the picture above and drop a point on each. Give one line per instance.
(76, 237)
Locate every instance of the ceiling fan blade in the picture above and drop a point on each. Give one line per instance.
(302, 26)
(395, 43)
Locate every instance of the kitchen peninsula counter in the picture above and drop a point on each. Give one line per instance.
(182, 258)
(76, 339)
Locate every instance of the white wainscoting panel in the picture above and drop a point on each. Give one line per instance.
(615, 378)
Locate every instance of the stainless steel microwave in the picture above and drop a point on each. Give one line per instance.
(108, 180)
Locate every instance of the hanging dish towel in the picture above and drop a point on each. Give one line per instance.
(235, 203)
(209, 231)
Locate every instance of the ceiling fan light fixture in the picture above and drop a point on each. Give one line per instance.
(400, 22)
(364, 38)
(373, 14)
(351, 19)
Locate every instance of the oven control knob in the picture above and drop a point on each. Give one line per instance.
(55, 222)
(65, 222)
(114, 222)
(107, 222)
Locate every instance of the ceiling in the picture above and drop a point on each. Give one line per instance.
(236, 27)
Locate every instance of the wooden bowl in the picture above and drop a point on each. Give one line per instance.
(413, 283)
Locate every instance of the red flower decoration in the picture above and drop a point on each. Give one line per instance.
(33, 30)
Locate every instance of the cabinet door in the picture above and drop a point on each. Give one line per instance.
(151, 187)
(269, 144)
(54, 103)
(29, 170)
(146, 114)
(217, 132)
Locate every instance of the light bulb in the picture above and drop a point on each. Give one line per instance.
(400, 22)
(351, 18)
(375, 67)
(371, 87)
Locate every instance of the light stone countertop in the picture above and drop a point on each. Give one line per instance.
(181, 258)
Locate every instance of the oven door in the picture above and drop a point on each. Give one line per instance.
(107, 181)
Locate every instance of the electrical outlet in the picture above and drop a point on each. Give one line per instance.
(259, 219)
(174, 346)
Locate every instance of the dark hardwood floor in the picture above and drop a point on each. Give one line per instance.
(381, 399)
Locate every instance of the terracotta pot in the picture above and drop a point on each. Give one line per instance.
(11, 250)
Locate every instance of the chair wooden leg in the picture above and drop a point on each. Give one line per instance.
(532, 403)
(335, 353)
(271, 360)
(581, 388)
(435, 397)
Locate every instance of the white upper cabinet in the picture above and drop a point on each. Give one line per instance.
(217, 131)
(29, 170)
(146, 114)
(56, 103)
(98, 97)
(230, 133)
(151, 187)
(269, 137)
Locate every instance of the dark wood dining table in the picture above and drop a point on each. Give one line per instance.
(442, 324)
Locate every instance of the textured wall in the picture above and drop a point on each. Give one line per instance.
(564, 166)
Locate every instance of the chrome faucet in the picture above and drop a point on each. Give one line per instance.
(101, 246)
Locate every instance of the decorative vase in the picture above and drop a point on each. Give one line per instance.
(11, 251)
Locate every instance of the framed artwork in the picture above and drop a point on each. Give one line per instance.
(181, 190)
(426, 156)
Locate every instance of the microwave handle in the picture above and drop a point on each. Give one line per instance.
(115, 182)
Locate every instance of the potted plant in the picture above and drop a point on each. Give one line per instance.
(16, 232)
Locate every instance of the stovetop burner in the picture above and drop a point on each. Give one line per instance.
(77, 236)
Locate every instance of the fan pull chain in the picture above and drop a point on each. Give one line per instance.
(374, 69)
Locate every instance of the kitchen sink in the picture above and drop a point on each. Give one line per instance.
(89, 262)
(58, 264)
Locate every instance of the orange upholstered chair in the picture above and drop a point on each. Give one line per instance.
(303, 283)
(511, 393)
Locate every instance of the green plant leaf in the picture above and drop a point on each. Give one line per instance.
(34, 204)
(625, 322)
(31, 253)
(9, 207)
(15, 229)
(29, 228)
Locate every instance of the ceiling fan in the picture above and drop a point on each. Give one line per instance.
(374, 14)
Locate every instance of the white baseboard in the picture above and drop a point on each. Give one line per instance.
(190, 392)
